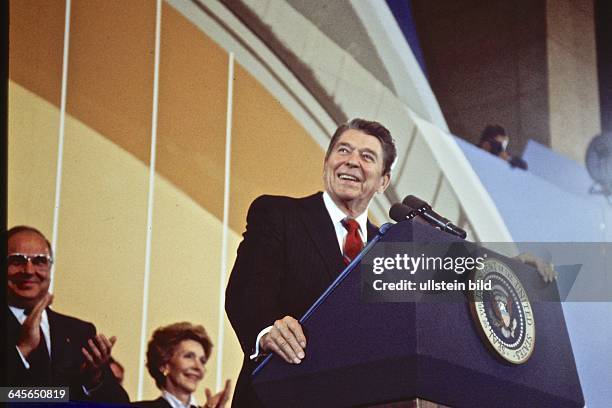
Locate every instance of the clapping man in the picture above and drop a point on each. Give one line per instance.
(46, 348)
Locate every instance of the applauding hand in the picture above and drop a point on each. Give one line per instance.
(30, 338)
(97, 356)
(219, 399)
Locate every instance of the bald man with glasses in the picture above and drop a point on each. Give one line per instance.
(46, 348)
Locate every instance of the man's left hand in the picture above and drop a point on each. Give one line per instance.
(97, 355)
(545, 269)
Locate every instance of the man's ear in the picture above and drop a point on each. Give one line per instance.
(386, 180)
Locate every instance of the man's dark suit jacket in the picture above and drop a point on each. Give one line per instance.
(288, 257)
(157, 403)
(68, 336)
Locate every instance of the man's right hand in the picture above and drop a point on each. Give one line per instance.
(29, 338)
(286, 339)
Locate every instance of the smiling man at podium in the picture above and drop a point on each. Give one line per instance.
(293, 248)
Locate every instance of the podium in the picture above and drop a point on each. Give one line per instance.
(394, 354)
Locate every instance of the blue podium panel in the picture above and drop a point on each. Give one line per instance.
(362, 353)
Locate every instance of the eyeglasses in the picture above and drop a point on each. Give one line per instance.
(39, 260)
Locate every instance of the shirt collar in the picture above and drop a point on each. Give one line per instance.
(20, 315)
(337, 215)
(176, 403)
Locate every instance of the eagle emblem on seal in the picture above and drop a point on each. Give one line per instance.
(502, 308)
(502, 312)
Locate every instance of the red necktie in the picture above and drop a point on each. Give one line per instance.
(353, 243)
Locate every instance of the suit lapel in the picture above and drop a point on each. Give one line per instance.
(319, 227)
(60, 341)
(13, 327)
(372, 231)
(162, 403)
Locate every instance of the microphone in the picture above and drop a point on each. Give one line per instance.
(400, 212)
(425, 211)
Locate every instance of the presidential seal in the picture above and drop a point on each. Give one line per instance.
(503, 314)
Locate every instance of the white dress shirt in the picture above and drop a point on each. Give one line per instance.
(176, 403)
(337, 216)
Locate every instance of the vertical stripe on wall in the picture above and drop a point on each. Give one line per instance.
(226, 197)
(60, 137)
(147, 271)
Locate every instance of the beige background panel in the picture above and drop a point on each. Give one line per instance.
(110, 75)
(271, 151)
(185, 264)
(192, 111)
(101, 239)
(36, 46)
(232, 353)
(32, 157)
